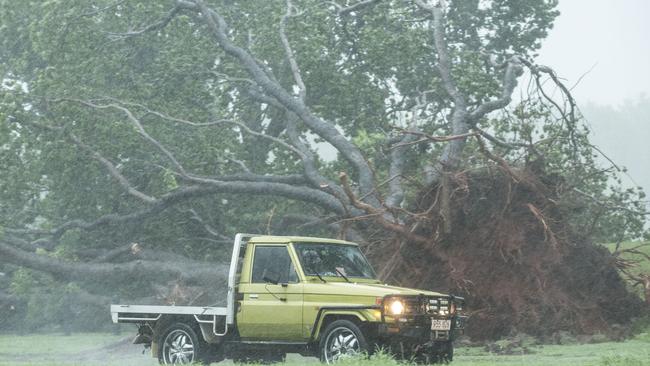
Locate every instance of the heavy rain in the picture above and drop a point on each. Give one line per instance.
(353, 182)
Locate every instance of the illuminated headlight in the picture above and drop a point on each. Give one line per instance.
(444, 310)
(397, 307)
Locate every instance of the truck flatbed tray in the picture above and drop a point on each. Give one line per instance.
(143, 313)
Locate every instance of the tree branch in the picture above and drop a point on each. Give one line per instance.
(181, 195)
(135, 122)
(343, 11)
(513, 71)
(112, 170)
(291, 57)
(378, 214)
(398, 155)
(128, 187)
(177, 165)
(270, 86)
(450, 157)
(160, 24)
(99, 272)
(196, 217)
(609, 205)
(444, 60)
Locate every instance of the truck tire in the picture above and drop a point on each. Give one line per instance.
(341, 339)
(180, 345)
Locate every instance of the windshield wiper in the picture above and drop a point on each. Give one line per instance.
(342, 275)
(310, 269)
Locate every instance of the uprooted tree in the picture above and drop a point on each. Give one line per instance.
(138, 137)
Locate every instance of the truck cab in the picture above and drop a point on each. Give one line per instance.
(314, 296)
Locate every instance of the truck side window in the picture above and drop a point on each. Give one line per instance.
(273, 262)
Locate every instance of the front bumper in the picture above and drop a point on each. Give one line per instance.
(419, 330)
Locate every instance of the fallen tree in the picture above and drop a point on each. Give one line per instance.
(512, 254)
(203, 122)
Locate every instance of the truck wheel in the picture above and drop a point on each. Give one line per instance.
(341, 339)
(179, 345)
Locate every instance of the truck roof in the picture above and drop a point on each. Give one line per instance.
(295, 239)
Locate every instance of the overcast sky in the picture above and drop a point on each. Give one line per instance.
(612, 35)
(612, 39)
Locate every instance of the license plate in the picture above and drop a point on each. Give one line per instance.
(440, 324)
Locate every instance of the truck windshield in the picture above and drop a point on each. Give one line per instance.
(333, 260)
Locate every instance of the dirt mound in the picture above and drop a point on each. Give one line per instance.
(500, 239)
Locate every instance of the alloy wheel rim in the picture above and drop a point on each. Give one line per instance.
(341, 343)
(178, 348)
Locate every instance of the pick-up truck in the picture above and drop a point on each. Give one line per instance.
(313, 296)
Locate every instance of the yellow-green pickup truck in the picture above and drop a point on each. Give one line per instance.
(313, 296)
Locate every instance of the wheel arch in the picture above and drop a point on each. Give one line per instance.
(360, 316)
(165, 321)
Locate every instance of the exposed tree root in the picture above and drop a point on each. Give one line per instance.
(513, 256)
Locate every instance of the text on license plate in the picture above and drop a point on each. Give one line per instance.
(440, 324)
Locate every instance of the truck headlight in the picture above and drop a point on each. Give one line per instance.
(397, 307)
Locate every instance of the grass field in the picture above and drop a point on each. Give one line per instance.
(112, 350)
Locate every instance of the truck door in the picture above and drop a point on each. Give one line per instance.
(271, 311)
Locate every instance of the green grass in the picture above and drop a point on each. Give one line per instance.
(77, 349)
(111, 350)
(44, 344)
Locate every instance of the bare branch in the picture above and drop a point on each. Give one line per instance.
(343, 11)
(103, 9)
(293, 179)
(398, 155)
(436, 138)
(113, 171)
(609, 205)
(308, 158)
(270, 86)
(444, 59)
(167, 117)
(101, 271)
(506, 144)
(513, 71)
(160, 24)
(450, 157)
(181, 195)
(212, 231)
(112, 254)
(177, 165)
(291, 57)
(136, 123)
(378, 214)
(398, 160)
(241, 164)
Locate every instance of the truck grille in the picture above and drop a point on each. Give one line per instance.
(426, 305)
